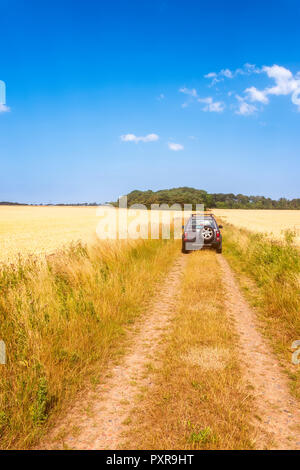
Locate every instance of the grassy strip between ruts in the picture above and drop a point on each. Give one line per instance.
(62, 320)
(198, 399)
(269, 274)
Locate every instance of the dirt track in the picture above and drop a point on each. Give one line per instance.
(100, 419)
(279, 419)
(101, 427)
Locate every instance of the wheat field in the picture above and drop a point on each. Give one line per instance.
(29, 230)
(26, 230)
(272, 222)
(34, 230)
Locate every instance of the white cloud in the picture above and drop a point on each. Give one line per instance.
(211, 105)
(192, 92)
(215, 80)
(256, 95)
(188, 91)
(296, 98)
(227, 73)
(244, 108)
(175, 147)
(285, 84)
(4, 108)
(161, 97)
(247, 69)
(216, 107)
(210, 75)
(136, 139)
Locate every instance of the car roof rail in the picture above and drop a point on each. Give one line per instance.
(207, 214)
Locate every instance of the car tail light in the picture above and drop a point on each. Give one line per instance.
(185, 236)
(218, 234)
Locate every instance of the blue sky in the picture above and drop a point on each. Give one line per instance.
(103, 97)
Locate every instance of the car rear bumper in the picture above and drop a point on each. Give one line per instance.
(192, 246)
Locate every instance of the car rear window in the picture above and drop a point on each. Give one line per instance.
(199, 222)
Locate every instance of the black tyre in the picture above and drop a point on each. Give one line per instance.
(219, 250)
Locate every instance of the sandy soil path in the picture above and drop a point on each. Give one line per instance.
(278, 417)
(98, 421)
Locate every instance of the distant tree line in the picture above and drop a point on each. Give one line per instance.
(77, 204)
(4, 203)
(186, 195)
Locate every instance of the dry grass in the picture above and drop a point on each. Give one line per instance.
(210, 358)
(269, 273)
(272, 222)
(62, 321)
(198, 399)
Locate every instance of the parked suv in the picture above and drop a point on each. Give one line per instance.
(201, 230)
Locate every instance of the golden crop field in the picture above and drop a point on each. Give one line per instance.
(272, 222)
(37, 230)
(27, 230)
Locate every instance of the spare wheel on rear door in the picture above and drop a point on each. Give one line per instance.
(207, 233)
